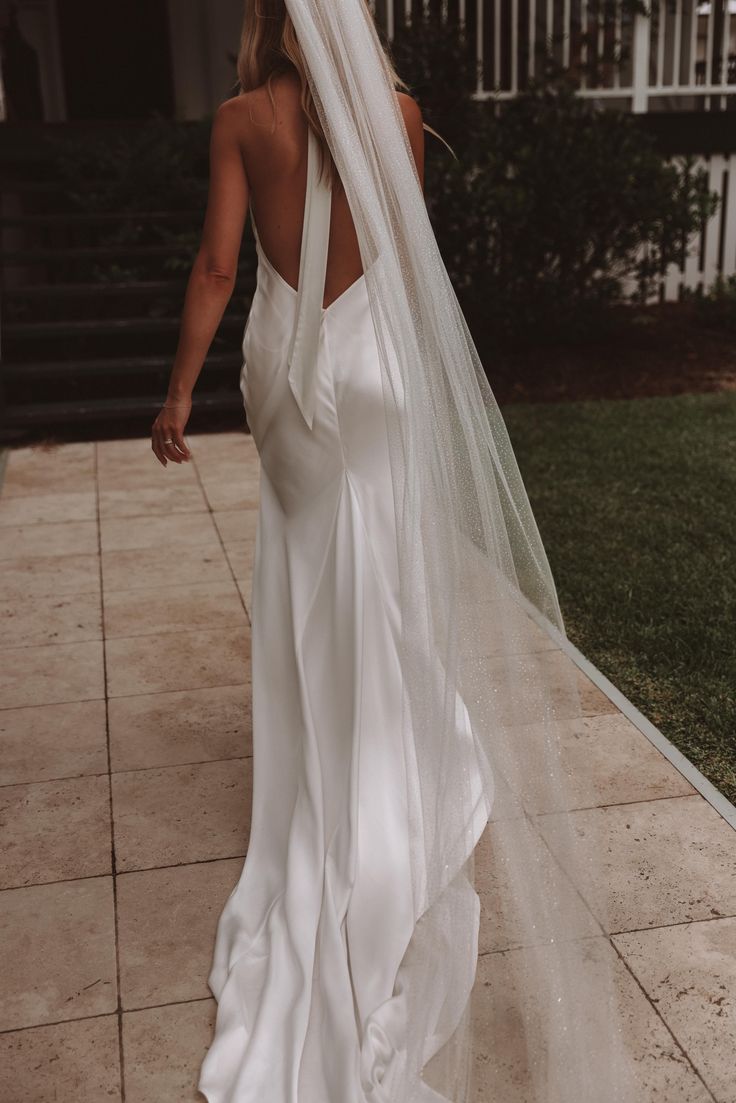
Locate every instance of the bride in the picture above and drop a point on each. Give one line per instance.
(404, 621)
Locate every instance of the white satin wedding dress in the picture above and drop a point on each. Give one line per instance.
(309, 945)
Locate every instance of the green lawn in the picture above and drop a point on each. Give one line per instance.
(636, 502)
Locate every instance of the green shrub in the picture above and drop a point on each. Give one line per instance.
(157, 166)
(716, 307)
(551, 205)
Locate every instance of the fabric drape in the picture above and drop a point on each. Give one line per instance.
(486, 690)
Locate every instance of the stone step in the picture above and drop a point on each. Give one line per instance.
(52, 292)
(64, 254)
(93, 218)
(104, 327)
(27, 415)
(100, 290)
(38, 370)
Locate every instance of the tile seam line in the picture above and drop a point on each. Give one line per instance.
(58, 1022)
(116, 697)
(102, 1015)
(212, 510)
(85, 520)
(110, 797)
(135, 869)
(608, 936)
(158, 766)
(128, 770)
(627, 708)
(114, 637)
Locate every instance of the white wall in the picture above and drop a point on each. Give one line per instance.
(203, 33)
(37, 21)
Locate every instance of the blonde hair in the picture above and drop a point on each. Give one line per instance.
(268, 48)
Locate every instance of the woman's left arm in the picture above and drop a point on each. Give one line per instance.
(211, 281)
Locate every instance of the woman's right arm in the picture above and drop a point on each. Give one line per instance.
(212, 278)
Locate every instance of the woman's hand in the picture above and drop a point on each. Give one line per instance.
(167, 434)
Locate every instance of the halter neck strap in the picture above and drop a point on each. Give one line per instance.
(304, 346)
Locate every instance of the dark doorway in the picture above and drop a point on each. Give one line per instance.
(117, 62)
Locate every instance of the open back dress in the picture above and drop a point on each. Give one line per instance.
(310, 942)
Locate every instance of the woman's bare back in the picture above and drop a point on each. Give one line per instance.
(273, 142)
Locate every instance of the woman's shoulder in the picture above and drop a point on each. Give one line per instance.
(411, 111)
(250, 115)
(408, 104)
(255, 108)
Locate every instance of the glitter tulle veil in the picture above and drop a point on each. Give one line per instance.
(488, 692)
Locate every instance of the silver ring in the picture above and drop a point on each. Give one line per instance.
(169, 441)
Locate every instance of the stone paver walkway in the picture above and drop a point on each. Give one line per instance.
(125, 786)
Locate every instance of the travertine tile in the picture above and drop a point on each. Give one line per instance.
(51, 674)
(226, 488)
(125, 461)
(54, 830)
(29, 621)
(52, 741)
(170, 532)
(143, 472)
(196, 606)
(164, 1048)
(152, 568)
(43, 469)
(235, 525)
(167, 729)
(504, 847)
(36, 508)
(223, 442)
(56, 575)
(58, 538)
(181, 813)
(670, 860)
(689, 972)
(186, 660)
(75, 1061)
(606, 760)
(57, 952)
(213, 448)
(167, 923)
(506, 1027)
(661, 861)
(114, 453)
(144, 501)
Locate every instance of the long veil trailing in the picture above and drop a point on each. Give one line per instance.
(487, 690)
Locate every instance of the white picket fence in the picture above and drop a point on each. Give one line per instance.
(681, 56)
(712, 253)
